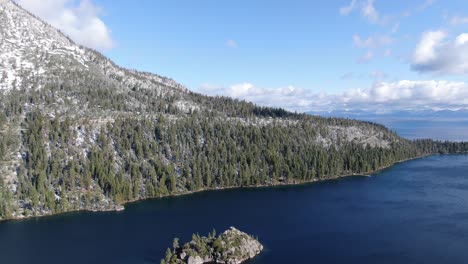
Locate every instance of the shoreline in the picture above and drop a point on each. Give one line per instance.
(121, 207)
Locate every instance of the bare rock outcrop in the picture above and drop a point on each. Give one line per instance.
(231, 247)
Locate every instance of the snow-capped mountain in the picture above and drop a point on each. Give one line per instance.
(461, 114)
(33, 50)
(78, 132)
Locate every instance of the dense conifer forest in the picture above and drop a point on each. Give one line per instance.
(78, 132)
(71, 159)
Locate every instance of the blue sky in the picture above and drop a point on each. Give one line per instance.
(298, 54)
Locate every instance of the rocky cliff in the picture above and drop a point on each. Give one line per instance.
(231, 247)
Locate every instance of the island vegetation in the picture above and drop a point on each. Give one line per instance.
(230, 247)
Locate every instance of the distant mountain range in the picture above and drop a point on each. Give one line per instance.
(401, 114)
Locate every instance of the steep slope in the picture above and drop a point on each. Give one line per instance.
(35, 53)
(77, 132)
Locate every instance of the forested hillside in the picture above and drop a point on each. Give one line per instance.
(78, 132)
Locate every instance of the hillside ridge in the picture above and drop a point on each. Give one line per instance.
(25, 32)
(78, 132)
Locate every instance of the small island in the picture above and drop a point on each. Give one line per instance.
(231, 247)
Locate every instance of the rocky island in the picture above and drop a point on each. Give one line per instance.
(231, 247)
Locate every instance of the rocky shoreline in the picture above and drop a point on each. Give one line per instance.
(231, 247)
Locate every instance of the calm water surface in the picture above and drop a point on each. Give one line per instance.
(415, 212)
(440, 129)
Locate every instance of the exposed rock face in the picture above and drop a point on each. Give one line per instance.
(231, 247)
(195, 260)
(236, 247)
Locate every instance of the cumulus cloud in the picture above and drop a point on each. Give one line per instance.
(288, 97)
(413, 94)
(401, 95)
(435, 54)
(426, 49)
(80, 20)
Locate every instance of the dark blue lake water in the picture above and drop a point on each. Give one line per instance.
(414, 212)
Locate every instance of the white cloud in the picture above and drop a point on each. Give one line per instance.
(426, 49)
(287, 97)
(231, 43)
(348, 76)
(401, 95)
(368, 56)
(457, 20)
(434, 53)
(378, 75)
(80, 21)
(345, 10)
(368, 10)
(363, 43)
(372, 42)
(426, 5)
(419, 93)
(375, 75)
(462, 39)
